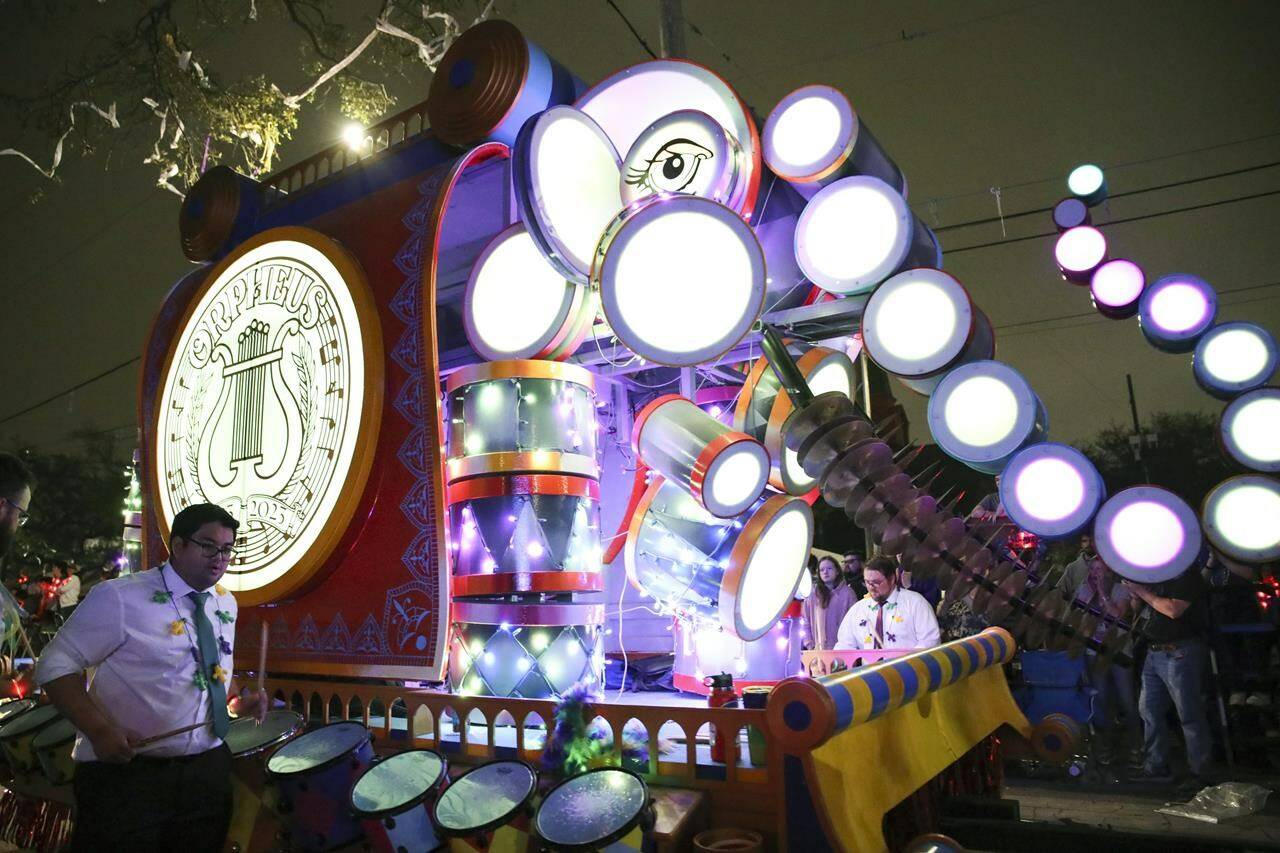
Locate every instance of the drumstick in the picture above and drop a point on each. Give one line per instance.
(174, 733)
(262, 659)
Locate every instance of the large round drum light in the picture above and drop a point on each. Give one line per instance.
(1079, 251)
(1176, 310)
(1147, 534)
(1088, 183)
(686, 152)
(681, 279)
(1116, 287)
(1051, 490)
(857, 232)
(1233, 358)
(1250, 430)
(1241, 518)
(984, 412)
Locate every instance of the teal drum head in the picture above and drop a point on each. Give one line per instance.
(317, 749)
(397, 783)
(57, 734)
(36, 719)
(485, 798)
(591, 810)
(246, 737)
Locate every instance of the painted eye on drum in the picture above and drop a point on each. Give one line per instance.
(672, 169)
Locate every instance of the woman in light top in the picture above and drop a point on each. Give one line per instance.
(825, 608)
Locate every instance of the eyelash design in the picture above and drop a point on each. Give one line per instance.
(684, 155)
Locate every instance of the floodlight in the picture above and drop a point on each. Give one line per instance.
(1051, 490)
(1233, 358)
(983, 412)
(1147, 534)
(1176, 310)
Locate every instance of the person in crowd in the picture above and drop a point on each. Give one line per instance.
(889, 617)
(1115, 696)
(152, 770)
(1174, 672)
(1078, 569)
(16, 484)
(958, 619)
(69, 592)
(851, 565)
(827, 605)
(927, 587)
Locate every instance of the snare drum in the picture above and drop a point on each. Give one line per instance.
(313, 775)
(255, 821)
(393, 799)
(53, 751)
(607, 808)
(487, 808)
(17, 738)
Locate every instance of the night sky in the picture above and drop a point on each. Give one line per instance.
(965, 96)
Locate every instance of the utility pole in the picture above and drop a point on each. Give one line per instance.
(671, 32)
(1136, 439)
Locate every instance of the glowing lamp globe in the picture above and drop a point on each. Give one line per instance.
(1176, 310)
(814, 137)
(723, 470)
(1241, 518)
(920, 324)
(1233, 358)
(1088, 183)
(1051, 490)
(681, 279)
(1070, 213)
(1116, 286)
(1250, 430)
(566, 174)
(1079, 251)
(1147, 534)
(858, 231)
(983, 412)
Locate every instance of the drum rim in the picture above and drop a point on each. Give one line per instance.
(7, 736)
(617, 834)
(5, 719)
(277, 741)
(324, 765)
(414, 801)
(38, 746)
(481, 829)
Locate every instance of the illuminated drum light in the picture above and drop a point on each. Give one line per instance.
(1233, 358)
(921, 323)
(742, 574)
(1250, 430)
(1079, 251)
(806, 586)
(814, 137)
(1176, 310)
(566, 174)
(1147, 534)
(687, 152)
(1116, 287)
(1051, 490)
(858, 231)
(1070, 213)
(1088, 183)
(681, 279)
(724, 470)
(1241, 518)
(983, 412)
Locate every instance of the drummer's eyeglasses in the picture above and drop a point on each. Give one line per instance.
(210, 550)
(23, 515)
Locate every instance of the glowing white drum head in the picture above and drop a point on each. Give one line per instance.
(983, 412)
(921, 322)
(1233, 358)
(1250, 430)
(1116, 287)
(1051, 490)
(1079, 251)
(628, 102)
(1147, 534)
(689, 153)
(1241, 518)
(566, 174)
(681, 279)
(1176, 310)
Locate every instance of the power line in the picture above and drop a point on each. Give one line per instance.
(634, 31)
(47, 400)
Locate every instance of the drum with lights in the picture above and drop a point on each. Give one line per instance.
(1147, 534)
(1051, 490)
(983, 412)
(814, 137)
(1233, 358)
(703, 649)
(393, 800)
(606, 808)
(859, 231)
(1241, 518)
(764, 406)
(1079, 251)
(1250, 430)
(488, 807)
(725, 471)
(741, 574)
(529, 648)
(1176, 311)
(1116, 286)
(920, 324)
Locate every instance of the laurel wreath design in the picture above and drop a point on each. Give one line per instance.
(194, 421)
(306, 406)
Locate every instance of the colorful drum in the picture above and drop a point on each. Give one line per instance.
(741, 574)
(393, 800)
(534, 649)
(725, 471)
(531, 533)
(488, 807)
(17, 737)
(607, 808)
(255, 820)
(313, 775)
(517, 417)
(53, 751)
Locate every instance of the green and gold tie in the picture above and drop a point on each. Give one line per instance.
(209, 656)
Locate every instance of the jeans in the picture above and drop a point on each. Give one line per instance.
(1176, 675)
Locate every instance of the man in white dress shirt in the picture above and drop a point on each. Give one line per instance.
(889, 617)
(160, 643)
